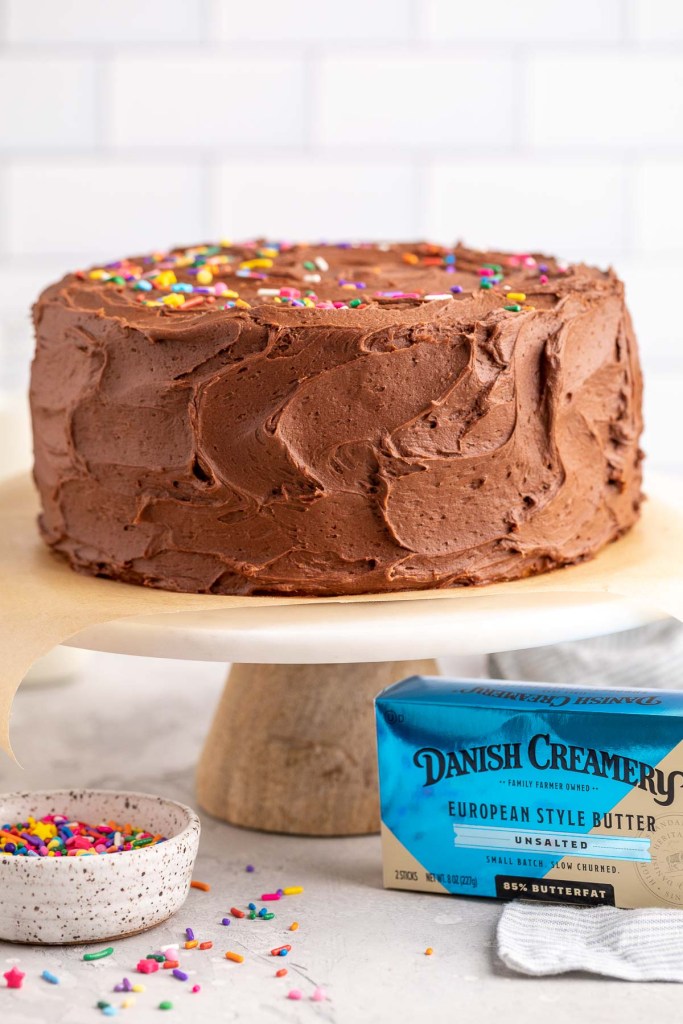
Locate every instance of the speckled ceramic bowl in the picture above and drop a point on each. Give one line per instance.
(90, 899)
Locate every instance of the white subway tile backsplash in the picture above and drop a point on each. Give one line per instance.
(21, 285)
(217, 101)
(658, 332)
(606, 99)
(83, 21)
(571, 209)
(46, 102)
(662, 437)
(415, 100)
(312, 21)
(656, 21)
(314, 200)
(81, 206)
(522, 21)
(658, 211)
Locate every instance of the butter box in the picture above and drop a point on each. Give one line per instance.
(532, 791)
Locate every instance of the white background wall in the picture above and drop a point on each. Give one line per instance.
(551, 124)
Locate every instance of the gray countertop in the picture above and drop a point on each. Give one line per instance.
(138, 723)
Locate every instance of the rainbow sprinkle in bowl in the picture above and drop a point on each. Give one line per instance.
(91, 897)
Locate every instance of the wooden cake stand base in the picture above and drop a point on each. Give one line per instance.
(292, 744)
(292, 747)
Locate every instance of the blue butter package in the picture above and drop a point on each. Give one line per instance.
(532, 791)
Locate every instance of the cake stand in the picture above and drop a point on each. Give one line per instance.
(292, 747)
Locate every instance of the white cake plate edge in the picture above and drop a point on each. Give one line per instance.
(337, 633)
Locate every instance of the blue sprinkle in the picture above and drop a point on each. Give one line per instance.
(449, 259)
(141, 286)
(49, 976)
(252, 906)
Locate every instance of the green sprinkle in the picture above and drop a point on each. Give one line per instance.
(268, 917)
(485, 284)
(251, 915)
(513, 308)
(159, 957)
(308, 265)
(355, 302)
(166, 1005)
(102, 1004)
(100, 955)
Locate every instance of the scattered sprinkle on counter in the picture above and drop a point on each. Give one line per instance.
(204, 886)
(100, 954)
(55, 835)
(147, 966)
(14, 977)
(428, 951)
(170, 955)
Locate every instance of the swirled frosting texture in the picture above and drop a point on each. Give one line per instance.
(402, 444)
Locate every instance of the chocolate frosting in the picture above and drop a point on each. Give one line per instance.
(260, 445)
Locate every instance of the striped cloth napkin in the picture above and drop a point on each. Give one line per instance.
(635, 945)
(651, 656)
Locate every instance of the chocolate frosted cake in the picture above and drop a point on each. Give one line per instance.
(334, 419)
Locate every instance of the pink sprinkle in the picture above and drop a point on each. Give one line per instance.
(295, 993)
(543, 279)
(319, 995)
(196, 988)
(486, 272)
(270, 896)
(147, 966)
